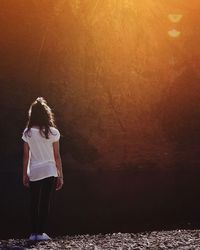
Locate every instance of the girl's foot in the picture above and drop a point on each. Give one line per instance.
(32, 237)
(43, 236)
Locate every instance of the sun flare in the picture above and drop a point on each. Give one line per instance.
(175, 18)
(174, 33)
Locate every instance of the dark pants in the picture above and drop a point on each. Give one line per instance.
(40, 201)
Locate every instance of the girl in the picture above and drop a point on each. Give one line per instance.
(42, 164)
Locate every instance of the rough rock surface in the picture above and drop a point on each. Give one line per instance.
(177, 239)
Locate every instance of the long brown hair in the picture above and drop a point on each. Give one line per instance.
(40, 115)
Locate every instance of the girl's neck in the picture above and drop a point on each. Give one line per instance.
(35, 127)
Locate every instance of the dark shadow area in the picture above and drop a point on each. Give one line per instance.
(110, 201)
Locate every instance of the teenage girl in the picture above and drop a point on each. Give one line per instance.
(42, 166)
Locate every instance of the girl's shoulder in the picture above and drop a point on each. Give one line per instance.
(25, 130)
(53, 129)
(55, 134)
(24, 135)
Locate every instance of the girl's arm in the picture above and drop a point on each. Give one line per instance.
(56, 149)
(25, 164)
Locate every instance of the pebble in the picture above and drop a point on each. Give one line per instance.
(176, 239)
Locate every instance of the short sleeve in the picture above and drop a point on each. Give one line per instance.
(56, 135)
(24, 137)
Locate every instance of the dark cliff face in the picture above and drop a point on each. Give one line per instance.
(180, 111)
(121, 87)
(125, 95)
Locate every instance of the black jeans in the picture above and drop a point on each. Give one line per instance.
(40, 202)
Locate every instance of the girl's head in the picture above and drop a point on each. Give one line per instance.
(41, 116)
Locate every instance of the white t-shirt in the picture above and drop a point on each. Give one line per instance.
(42, 163)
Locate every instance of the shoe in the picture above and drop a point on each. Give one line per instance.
(43, 236)
(32, 237)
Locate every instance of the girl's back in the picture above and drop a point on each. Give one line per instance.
(42, 162)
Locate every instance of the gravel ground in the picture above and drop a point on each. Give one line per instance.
(177, 239)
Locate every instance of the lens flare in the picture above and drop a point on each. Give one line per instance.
(175, 18)
(174, 33)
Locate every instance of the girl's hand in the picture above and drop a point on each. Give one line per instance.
(26, 180)
(59, 183)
